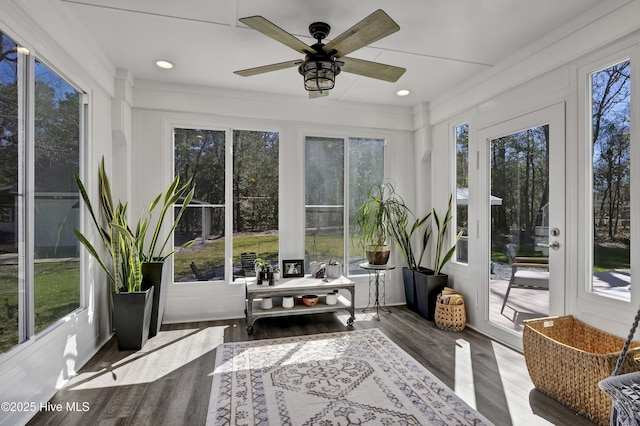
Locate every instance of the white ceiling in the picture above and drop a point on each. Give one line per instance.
(441, 43)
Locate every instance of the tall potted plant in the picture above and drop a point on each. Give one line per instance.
(373, 220)
(132, 300)
(403, 236)
(430, 285)
(153, 258)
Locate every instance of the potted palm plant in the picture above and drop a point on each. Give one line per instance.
(153, 258)
(132, 298)
(373, 219)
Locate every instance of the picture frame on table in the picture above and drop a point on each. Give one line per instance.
(292, 268)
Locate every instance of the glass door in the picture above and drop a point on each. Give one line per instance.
(524, 211)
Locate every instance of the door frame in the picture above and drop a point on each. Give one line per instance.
(554, 115)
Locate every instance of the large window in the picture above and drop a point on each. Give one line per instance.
(461, 134)
(611, 168)
(39, 268)
(251, 176)
(336, 172)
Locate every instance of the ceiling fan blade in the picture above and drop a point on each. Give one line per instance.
(372, 69)
(318, 94)
(270, 29)
(268, 68)
(371, 29)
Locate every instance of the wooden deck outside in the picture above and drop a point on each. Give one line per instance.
(523, 304)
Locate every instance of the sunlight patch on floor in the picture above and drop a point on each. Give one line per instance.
(360, 316)
(516, 385)
(464, 385)
(154, 361)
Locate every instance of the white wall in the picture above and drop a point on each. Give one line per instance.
(157, 108)
(33, 371)
(137, 142)
(539, 76)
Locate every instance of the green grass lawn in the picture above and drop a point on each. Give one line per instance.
(605, 258)
(610, 258)
(57, 293)
(211, 254)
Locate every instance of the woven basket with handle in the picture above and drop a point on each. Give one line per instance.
(450, 317)
(566, 359)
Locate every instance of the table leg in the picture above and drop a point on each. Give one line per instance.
(249, 314)
(352, 309)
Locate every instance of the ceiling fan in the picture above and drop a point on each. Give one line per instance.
(323, 62)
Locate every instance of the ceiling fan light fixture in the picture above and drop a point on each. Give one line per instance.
(319, 75)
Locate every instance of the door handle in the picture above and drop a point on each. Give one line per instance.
(554, 245)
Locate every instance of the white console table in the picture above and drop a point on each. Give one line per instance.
(297, 287)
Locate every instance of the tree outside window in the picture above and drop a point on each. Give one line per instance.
(610, 136)
(253, 176)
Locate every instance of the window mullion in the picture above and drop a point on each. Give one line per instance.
(345, 207)
(228, 210)
(26, 153)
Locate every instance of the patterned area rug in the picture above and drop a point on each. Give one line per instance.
(358, 377)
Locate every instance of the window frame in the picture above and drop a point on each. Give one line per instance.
(345, 206)
(454, 161)
(228, 130)
(587, 300)
(25, 207)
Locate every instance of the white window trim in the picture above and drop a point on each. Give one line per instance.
(587, 301)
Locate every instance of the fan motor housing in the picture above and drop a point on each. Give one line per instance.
(319, 30)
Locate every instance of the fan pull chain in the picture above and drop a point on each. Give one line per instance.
(623, 354)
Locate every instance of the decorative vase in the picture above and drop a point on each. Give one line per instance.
(333, 271)
(266, 303)
(287, 302)
(314, 266)
(378, 255)
(331, 298)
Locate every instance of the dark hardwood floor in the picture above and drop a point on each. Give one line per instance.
(169, 381)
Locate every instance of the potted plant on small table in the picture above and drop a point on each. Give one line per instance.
(372, 221)
(264, 271)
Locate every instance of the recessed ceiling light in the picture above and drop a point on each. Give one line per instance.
(164, 64)
(403, 92)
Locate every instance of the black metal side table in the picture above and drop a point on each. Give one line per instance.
(377, 283)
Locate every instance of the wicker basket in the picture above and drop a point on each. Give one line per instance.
(566, 359)
(450, 317)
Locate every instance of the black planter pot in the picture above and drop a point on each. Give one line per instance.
(131, 318)
(152, 278)
(409, 288)
(409, 280)
(428, 286)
